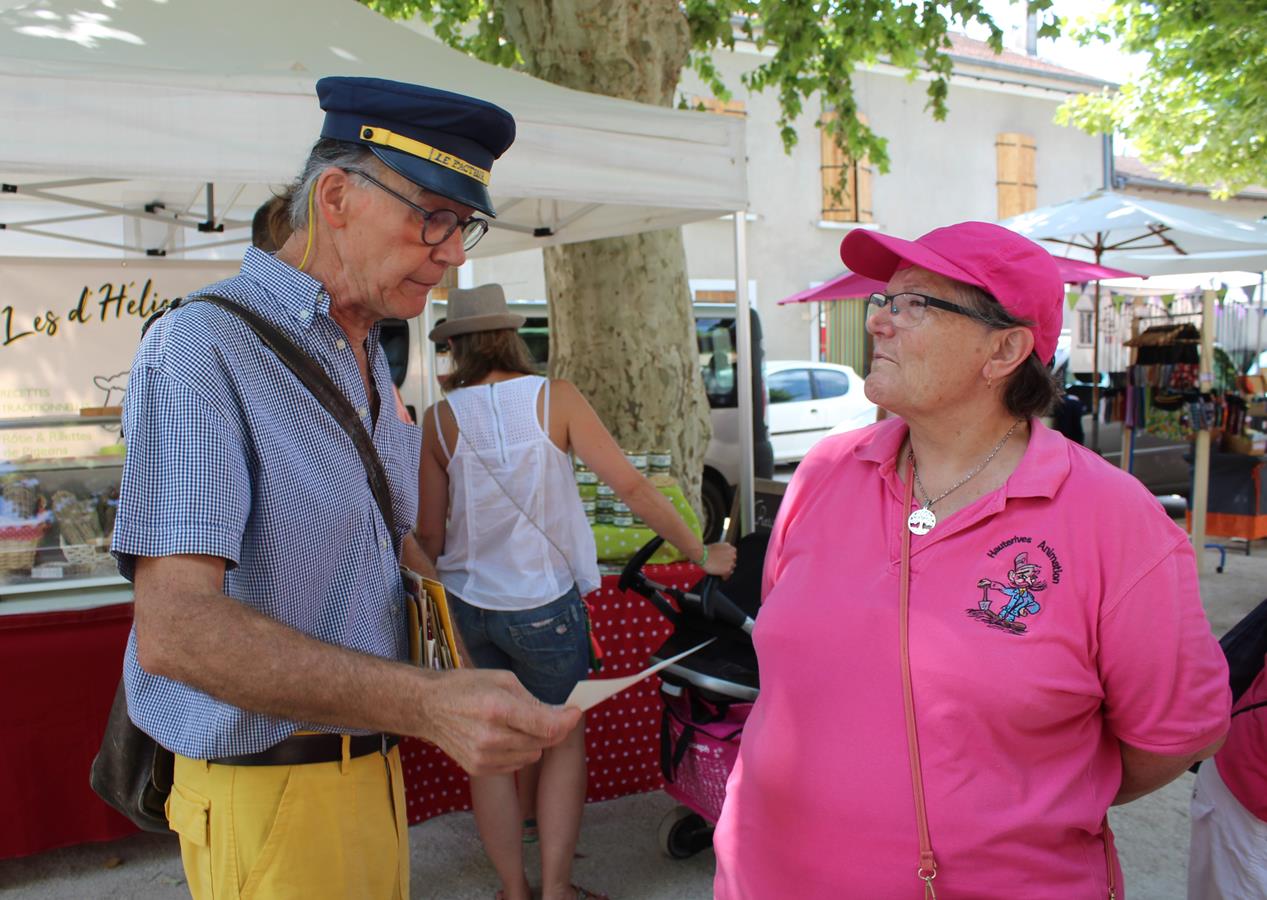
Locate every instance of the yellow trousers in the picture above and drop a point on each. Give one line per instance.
(334, 830)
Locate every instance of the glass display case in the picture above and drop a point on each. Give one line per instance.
(59, 491)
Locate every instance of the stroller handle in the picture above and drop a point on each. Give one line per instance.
(710, 602)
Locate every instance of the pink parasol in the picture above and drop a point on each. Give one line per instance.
(850, 284)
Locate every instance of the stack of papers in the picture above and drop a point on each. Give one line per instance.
(433, 640)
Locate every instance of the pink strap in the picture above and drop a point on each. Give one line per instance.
(927, 864)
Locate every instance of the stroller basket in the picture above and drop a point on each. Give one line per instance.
(699, 743)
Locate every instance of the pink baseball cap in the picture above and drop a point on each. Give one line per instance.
(1009, 267)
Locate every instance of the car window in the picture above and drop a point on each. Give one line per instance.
(789, 385)
(716, 339)
(830, 384)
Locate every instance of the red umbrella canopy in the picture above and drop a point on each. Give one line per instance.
(850, 284)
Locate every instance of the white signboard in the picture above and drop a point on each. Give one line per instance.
(68, 331)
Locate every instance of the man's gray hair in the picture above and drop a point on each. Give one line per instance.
(326, 154)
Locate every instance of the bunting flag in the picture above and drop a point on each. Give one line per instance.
(1117, 301)
(1072, 296)
(1167, 300)
(1221, 293)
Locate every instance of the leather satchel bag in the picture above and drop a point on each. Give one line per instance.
(131, 771)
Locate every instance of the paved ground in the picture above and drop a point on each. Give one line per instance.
(618, 844)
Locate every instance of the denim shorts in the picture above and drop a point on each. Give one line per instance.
(547, 647)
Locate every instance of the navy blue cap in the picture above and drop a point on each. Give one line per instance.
(441, 141)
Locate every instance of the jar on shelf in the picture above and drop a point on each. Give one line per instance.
(637, 459)
(660, 461)
(584, 474)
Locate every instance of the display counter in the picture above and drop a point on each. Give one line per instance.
(59, 491)
(59, 670)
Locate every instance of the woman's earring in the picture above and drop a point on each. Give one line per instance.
(989, 382)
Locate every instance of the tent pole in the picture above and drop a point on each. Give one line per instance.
(743, 374)
(1201, 455)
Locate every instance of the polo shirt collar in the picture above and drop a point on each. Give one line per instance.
(299, 294)
(1041, 472)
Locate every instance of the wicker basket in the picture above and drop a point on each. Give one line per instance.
(77, 518)
(22, 499)
(83, 557)
(18, 544)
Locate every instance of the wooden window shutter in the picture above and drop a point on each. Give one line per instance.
(851, 177)
(1016, 183)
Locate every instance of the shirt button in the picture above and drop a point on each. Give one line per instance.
(362, 411)
(340, 343)
(304, 313)
(383, 543)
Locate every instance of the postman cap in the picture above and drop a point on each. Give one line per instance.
(441, 141)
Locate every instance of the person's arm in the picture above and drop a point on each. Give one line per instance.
(1166, 696)
(433, 490)
(413, 556)
(1144, 772)
(189, 631)
(598, 450)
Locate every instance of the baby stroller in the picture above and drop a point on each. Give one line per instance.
(707, 696)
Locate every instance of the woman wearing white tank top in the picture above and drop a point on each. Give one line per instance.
(500, 514)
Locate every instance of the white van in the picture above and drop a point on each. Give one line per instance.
(405, 343)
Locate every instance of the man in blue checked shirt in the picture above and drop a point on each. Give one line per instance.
(269, 646)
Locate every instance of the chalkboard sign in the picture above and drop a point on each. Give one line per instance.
(766, 497)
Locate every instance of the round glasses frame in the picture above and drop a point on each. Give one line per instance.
(437, 224)
(907, 308)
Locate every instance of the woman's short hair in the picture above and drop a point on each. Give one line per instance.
(1032, 389)
(478, 353)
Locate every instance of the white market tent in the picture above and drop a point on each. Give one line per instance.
(127, 122)
(123, 103)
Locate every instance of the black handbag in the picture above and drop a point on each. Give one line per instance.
(131, 771)
(1245, 646)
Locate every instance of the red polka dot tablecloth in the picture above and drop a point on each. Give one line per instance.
(622, 736)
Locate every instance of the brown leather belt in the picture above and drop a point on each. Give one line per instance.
(303, 749)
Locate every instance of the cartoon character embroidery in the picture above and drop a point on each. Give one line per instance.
(1024, 580)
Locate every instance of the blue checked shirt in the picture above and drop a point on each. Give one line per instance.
(229, 455)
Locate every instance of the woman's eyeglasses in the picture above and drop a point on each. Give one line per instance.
(437, 224)
(907, 309)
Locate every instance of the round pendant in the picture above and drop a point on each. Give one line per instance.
(921, 521)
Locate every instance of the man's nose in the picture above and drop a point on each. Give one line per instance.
(450, 251)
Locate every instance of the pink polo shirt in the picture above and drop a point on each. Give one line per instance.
(1242, 761)
(1020, 707)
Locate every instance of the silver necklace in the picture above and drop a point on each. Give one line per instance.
(922, 520)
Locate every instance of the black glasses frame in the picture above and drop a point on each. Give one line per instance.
(473, 228)
(880, 300)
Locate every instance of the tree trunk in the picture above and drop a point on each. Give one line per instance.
(622, 330)
(621, 324)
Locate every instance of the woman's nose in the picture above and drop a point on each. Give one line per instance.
(879, 320)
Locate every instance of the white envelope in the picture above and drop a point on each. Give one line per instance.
(588, 694)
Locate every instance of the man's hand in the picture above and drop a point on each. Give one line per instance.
(488, 723)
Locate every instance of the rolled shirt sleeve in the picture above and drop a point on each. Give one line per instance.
(1164, 675)
(188, 475)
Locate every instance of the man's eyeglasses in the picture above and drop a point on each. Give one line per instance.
(907, 309)
(437, 224)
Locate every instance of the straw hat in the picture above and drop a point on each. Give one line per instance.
(475, 309)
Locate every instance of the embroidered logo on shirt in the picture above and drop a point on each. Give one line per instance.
(1017, 597)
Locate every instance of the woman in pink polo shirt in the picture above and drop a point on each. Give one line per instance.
(1229, 808)
(976, 635)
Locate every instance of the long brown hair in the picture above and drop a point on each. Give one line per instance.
(477, 354)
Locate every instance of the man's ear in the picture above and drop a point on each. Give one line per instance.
(333, 197)
(1011, 347)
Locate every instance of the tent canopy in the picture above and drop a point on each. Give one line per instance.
(125, 103)
(1145, 236)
